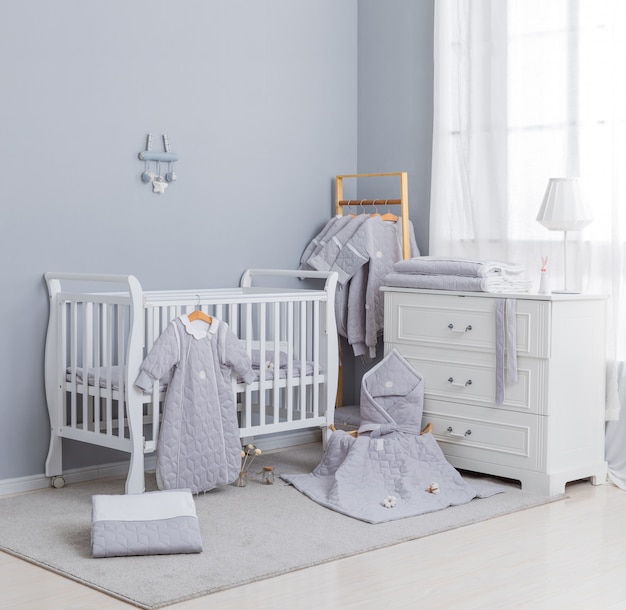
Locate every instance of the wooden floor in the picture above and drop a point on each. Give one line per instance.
(568, 554)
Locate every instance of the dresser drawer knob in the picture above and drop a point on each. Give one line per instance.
(456, 330)
(451, 432)
(459, 385)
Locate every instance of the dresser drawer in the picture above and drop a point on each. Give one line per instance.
(462, 322)
(487, 434)
(470, 378)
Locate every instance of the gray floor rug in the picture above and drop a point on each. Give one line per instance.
(249, 534)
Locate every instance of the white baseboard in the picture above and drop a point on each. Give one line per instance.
(283, 440)
(270, 442)
(76, 475)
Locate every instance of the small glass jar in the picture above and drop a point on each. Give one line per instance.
(267, 476)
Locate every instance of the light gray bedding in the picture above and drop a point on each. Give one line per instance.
(104, 373)
(462, 283)
(390, 471)
(439, 265)
(434, 282)
(152, 523)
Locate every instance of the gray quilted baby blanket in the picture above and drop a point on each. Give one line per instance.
(390, 471)
(152, 523)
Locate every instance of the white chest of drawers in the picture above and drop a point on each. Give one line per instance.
(549, 428)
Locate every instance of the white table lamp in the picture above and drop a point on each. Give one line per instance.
(564, 209)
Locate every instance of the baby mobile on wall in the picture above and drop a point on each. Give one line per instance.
(159, 183)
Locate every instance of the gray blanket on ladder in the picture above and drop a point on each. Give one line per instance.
(390, 471)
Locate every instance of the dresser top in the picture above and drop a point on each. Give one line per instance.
(555, 296)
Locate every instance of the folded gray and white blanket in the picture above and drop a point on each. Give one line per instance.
(459, 283)
(465, 275)
(152, 523)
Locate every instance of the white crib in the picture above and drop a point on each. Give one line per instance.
(98, 337)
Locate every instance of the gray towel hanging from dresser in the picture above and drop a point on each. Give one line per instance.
(506, 337)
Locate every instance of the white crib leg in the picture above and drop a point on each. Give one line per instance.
(54, 465)
(135, 479)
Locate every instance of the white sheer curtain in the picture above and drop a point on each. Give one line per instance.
(526, 91)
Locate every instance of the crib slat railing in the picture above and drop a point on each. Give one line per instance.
(261, 322)
(302, 356)
(276, 359)
(108, 355)
(247, 395)
(87, 352)
(273, 396)
(122, 405)
(290, 337)
(316, 358)
(97, 334)
(73, 361)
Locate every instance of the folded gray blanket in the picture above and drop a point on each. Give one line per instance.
(434, 282)
(438, 265)
(460, 283)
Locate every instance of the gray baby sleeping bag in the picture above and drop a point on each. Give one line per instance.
(199, 446)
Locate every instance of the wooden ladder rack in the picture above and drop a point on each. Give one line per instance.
(403, 202)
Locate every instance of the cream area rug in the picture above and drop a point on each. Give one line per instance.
(248, 533)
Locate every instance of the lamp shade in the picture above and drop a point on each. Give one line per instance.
(564, 207)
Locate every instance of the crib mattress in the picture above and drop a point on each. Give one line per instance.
(152, 523)
(106, 375)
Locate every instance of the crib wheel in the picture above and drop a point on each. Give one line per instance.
(58, 482)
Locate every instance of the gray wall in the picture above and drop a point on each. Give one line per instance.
(261, 100)
(394, 118)
(395, 93)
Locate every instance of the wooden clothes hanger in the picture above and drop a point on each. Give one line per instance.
(388, 216)
(199, 315)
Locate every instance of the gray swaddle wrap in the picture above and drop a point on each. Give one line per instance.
(389, 459)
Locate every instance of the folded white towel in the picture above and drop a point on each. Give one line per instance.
(505, 285)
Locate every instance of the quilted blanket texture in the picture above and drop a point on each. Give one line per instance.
(390, 471)
(442, 273)
(152, 523)
(199, 446)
